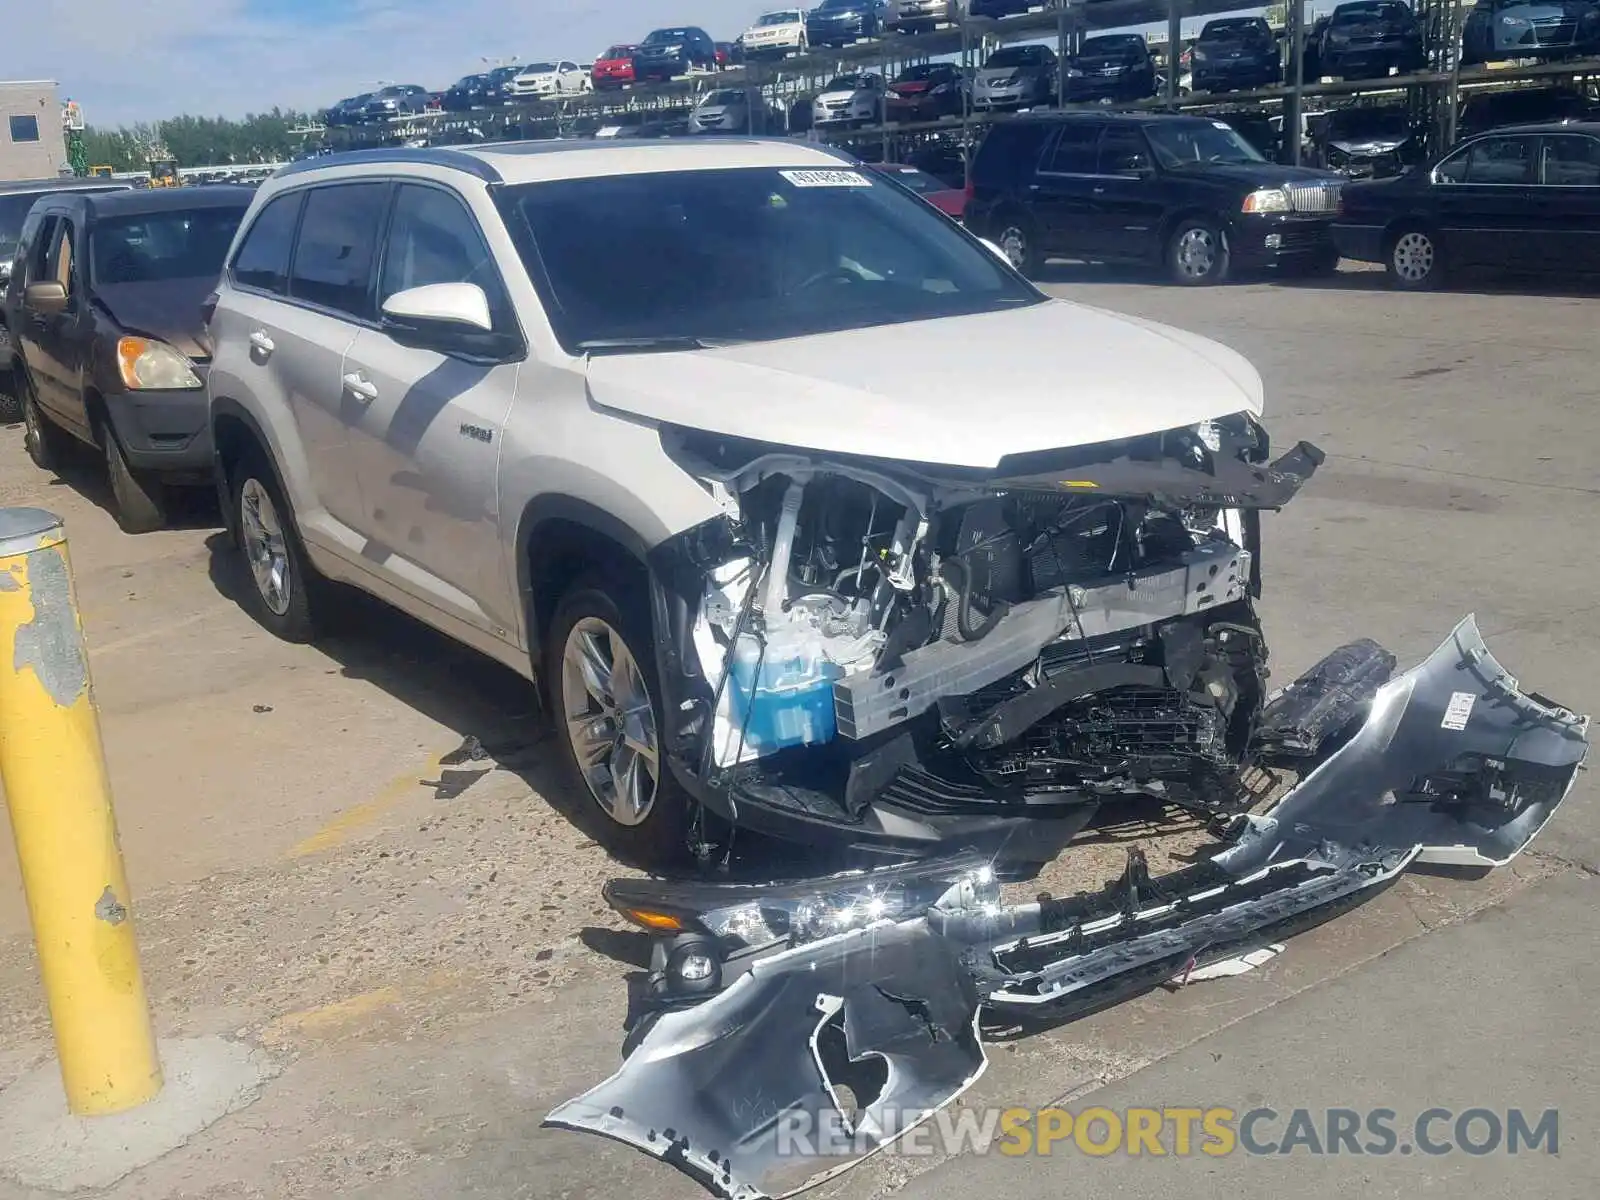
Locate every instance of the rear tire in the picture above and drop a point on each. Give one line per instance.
(141, 498)
(605, 702)
(1017, 234)
(10, 389)
(47, 443)
(1412, 261)
(284, 592)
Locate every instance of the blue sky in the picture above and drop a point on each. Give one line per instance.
(136, 60)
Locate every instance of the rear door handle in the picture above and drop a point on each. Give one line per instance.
(362, 389)
(262, 342)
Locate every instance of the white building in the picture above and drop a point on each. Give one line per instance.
(31, 145)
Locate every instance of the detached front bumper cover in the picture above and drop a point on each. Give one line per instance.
(772, 1002)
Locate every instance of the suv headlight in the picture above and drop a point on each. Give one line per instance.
(1266, 200)
(148, 365)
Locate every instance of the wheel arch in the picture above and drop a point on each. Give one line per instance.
(235, 433)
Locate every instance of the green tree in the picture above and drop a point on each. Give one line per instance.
(199, 141)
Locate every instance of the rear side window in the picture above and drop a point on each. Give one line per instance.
(1009, 150)
(1075, 150)
(263, 258)
(338, 238)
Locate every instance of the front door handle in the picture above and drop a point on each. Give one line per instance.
(262, 342)
(361, 388)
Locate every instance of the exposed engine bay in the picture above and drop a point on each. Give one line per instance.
(768, 1003)
(902, 654)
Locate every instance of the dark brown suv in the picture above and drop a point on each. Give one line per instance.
(105, 306)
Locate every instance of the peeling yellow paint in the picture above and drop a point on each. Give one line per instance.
(342, 1017)
(340, 829)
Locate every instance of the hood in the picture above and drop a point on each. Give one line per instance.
(842, 94)
(911, 87)
(168, 310)
(1262, 174)
(1383, 145)
(1056, 374)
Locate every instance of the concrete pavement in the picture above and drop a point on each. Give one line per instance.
(430, 968)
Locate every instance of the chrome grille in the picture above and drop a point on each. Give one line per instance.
(1314, 197)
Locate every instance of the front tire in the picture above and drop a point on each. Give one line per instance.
(605, 700)
(284, 590)
(10, 388)
(1413, 262)
(1197, 253)
(140, 498)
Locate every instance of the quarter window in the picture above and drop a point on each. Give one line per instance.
(263, 258)
(1571, 160)
(1074, 152)
(333, 256)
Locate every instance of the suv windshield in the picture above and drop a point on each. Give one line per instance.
(1189, 143)
(156, 247)
(788, 16)
(773, 253)
(539, 69)
(665, 37)
(1018, 56)
(1376, 10)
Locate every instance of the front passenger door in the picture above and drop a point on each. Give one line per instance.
(426, 438)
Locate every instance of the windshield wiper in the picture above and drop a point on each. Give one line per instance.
(642, 345)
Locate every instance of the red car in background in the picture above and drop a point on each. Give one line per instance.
(614, 68)
(948, 200)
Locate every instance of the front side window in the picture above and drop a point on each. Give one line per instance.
(24, 128)
(1501, 160)
(157, 247)
(433, 239)
(63, 256)
(263, 259)
(1181, 144)
(1123, 151)
(1571, 160)
(338, 235)
(39, 252)
(773, 253)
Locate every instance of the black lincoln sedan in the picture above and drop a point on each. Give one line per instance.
(1524, 198)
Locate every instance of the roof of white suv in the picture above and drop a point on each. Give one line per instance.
(534, 162)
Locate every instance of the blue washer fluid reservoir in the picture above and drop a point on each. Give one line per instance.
(789, 700)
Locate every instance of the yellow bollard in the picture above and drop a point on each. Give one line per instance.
(56, 789)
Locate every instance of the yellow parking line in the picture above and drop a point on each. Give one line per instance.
(348, 822)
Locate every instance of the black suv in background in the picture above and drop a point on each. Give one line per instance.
(1234, 54)
(1364, 40)
(1113, 66)
(1188, 193)
(668, 53)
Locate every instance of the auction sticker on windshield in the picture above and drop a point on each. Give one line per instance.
(809, 179)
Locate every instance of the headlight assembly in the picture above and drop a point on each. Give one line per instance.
(148, 365)
(1266, 200)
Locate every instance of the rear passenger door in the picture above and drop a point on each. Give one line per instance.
(426, 423)
(1062, 190)
(330, 300)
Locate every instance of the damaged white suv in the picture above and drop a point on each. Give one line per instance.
(806, 509)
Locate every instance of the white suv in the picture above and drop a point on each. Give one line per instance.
(790, 491)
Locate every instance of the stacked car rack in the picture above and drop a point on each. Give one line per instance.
(1432, 95)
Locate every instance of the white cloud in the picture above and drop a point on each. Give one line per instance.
(130, 60)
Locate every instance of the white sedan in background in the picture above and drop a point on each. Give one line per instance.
(776, 34)
(551, 79)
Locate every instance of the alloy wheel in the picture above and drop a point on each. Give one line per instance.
(32, 433)
(610, 721)
(265, 546)
(1412, 256)
(1197, 253)
(1015, 244)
